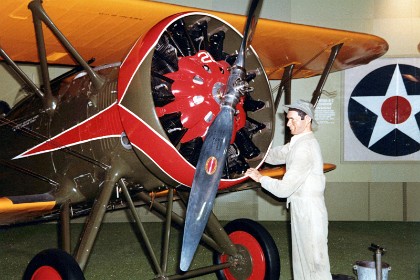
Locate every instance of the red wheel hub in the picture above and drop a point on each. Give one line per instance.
(256, 259)
(46, 272)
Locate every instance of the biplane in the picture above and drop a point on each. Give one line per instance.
(161, 103)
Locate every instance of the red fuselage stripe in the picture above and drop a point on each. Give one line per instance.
(91, 129)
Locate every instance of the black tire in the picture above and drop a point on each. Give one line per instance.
(250, 235)
(53, 264)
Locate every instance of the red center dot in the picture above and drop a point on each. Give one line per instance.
(396, 109)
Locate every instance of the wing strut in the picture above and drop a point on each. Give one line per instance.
(286, 83)
(317, 93)
(21, 74)
(39, 15)
(286, 87)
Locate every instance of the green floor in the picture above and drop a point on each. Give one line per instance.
(117, 253)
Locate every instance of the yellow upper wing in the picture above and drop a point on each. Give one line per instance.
(106, 30)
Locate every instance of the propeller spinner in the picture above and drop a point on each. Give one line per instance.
(212, 157)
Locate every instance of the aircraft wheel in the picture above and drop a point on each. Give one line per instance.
(258, 256)
(53, 264)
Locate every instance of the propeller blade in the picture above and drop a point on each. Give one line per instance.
(212, 157)
(251, 23)
(206, 181)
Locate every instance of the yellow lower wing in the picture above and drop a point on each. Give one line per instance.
(278, 172)
(12, 210)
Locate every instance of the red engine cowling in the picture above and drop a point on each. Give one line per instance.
(169, 89)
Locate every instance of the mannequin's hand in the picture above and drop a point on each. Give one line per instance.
(253, 174)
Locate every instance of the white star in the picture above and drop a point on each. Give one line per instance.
(374, 103)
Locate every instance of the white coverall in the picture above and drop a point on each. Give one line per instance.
(303, 185)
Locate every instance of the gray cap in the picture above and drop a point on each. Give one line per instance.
(305, 107)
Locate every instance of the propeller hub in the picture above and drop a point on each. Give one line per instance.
(235, 87)
(218, 92)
